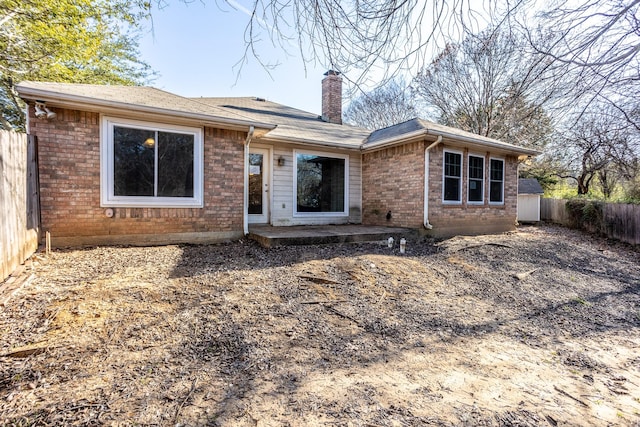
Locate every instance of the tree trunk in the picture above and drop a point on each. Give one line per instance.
(583, 184)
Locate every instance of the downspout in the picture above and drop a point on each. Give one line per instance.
(426, 182)
(245, 203)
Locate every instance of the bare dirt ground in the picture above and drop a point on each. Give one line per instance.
(350, 335)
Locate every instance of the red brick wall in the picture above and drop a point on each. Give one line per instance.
(332, 98)
(69, 158)
(393, 179)
(465, 218)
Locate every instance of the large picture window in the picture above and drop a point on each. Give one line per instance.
(476, 179)
(144, 164)
(321, 183)
(452, 180)
(496, 181)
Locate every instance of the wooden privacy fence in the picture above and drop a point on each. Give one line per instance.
(19, 202)
(616, 220)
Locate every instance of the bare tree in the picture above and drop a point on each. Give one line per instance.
(600, 144)
(384, 36)
(600, 35)
(598, 41)
(490, 86)
(403, 34)
(385, 106)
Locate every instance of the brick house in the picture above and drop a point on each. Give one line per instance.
(443, 180)
(137, 165)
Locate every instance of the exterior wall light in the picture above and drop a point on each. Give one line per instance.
(280, 161)
(42, 112)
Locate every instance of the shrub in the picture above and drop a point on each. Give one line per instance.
(587, 214)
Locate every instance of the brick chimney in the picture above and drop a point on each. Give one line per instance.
(332, 97)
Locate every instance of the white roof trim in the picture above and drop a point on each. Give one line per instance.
(281, 139)
(90, 102)
(452, 136)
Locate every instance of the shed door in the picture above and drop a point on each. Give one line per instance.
(258, 186)
(528, 207)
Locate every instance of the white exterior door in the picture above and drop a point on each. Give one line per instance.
(259, 179)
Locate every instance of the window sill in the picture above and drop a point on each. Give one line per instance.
(319, 214)
(159, 205)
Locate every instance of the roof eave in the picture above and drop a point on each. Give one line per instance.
(389, 142)
(451, 137)
(83, 102)
(510, 149)
(286, 140)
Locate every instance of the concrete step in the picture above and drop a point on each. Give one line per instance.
(269, 236)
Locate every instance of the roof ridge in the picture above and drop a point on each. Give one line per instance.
(222, 108)
(133, 96)
(258, 99)
(399, 123)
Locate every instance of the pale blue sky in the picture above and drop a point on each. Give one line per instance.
(194, 47)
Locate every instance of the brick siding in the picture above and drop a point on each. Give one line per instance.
(471, 218)
(69, 166)
(332, 98)
(393, 180)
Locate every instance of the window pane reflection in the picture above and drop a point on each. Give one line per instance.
(320, 183)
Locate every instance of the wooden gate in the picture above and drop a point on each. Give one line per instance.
(19, 200)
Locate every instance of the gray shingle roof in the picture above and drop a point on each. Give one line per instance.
(286, 124)
(529, 186)
(292, 124)
(128, 97)
(418, 126)
(395, 131)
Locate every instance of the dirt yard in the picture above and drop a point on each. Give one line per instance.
(540, 327)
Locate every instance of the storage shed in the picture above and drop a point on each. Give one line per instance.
(529, 192)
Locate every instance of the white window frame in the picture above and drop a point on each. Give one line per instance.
(345, 157)
(504, 175)
(482, 181)
(461, 177)
(107, 196)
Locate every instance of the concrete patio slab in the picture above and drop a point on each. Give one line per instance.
(269, 236)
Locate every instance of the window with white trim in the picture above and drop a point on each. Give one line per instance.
(146, 164)
(475, 184)
(496, 181)
(321, 183)
(452, 177)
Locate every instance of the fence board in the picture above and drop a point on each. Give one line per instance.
(553, 210)
(19, 210)
(619, 221)
(623, 221)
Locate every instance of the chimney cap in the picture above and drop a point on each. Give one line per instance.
(332, 73)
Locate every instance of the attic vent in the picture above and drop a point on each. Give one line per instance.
(260, 99)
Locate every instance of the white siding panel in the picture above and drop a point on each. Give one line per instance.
(283, 199)
(355, 188)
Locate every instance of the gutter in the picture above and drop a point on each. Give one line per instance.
(293, 141)
(245, 203)
(425, 221)
(489, 143)
(83, 102)
(416, 135)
